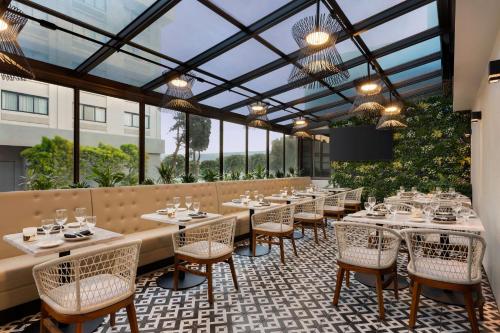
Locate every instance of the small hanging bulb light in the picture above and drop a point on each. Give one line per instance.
(3, 25)
(178, 82)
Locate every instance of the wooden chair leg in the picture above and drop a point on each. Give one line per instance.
(338, 285)
(209, 279)
(270, 240)
(324, 231)
(254, 242)
(380, 297)
(347, 279)
(415, 298)
(78, 328)
(469, 305)
(282, 250)
(233, 272)
(315, 227)
(481, 302)
(302, 230)
(176, 273)
(132, 318)
(112, 319)
(293, 245)
(43, 316)
(396, 282)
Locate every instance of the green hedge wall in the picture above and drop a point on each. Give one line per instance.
(434, 150)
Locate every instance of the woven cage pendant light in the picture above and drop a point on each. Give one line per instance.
(369, 96)
(257, 116)
(391, 116)
(300, 128)
(11, 24)
(179, 93)
(316, 37)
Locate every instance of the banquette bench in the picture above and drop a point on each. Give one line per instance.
(118, 209)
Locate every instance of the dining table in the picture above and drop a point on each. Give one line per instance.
(252, 207)
(99, 236)
(422, 200)
(312, 194)
(182, 220)
(402, 220)
(337, 189)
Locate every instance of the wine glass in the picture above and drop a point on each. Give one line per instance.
(196, 207)
(91, 222)
(368, 207)
(435, 205)
(428, 210)
(388, 206)
(80, 214)
(170, 209)
(256, 195)
(372, 201)
(438, 190)
(247, 195)
(414, 189)
(292, 190)
(177, 202)
(402, 189)
(457, 208)
(47, 225)
(393, 211)
(285, 190)
(61, 218)
(189, 202)
(261, 198)
(451, 190)
(466, 213)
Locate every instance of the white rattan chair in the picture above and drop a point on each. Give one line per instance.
(367, 249)
(205, 244)
(353, 199)
(334, 205)
(445, 265)
(85, 286)
(276, 222)
(310, 214)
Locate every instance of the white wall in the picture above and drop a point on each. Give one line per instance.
(486, 168)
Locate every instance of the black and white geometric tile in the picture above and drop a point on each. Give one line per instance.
(295, 297)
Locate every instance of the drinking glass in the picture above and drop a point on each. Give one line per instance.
(189, 202)
(282, 193)
(388, 206)
(196, 207)
(61, 218)
(451, 190)
(177, 202)
(256, 195)
(91, 222)
(466, 213)
(47, 225)
(402, 188)
(243, 199)
(292, 190)
(285, 190)
(428, 210)
(80, 214)
(435, 206)
(368, 207)
(456, 209)
(170, 209)
(372, 201)
(393, 211)
(261, 198)
(414, 189)
(247, 195)
(438, 190)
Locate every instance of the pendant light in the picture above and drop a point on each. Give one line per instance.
(369, 96)
(179, 91)
(316, 37)
(11, 24)
(258, 115)
(299, 128)
(391, 116)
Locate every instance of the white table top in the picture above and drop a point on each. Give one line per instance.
(282, 199)
(313, 194)
(422, 200)
(337, 189)
(100, 236)
(175, 220)
(251, 205)
(473, 225)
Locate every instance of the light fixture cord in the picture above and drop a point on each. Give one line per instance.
(317, 15)
(368, 70)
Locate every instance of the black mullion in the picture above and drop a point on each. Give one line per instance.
(284, 154)
(186, 139)
(221, 149)
(142, 141)
(246, 150)
(267, 153)
(76, 135)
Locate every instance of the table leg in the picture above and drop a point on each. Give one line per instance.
(446, 296)
(186, 280)
(247, 250)
(370, 280)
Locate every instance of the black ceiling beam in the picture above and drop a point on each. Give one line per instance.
(409, 82)
(238, 38)
(446, 16)
(336, 10)
(393, 70)
(139, 24)
(369, 23)
(394, 47)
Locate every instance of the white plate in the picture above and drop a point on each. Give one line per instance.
(184, 219)
(162, 211)
(47, 244)
(73, 225)
(181, 209)
(417, 219)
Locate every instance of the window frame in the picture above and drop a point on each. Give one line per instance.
(132, 114)
(82, 113)
(33, 97)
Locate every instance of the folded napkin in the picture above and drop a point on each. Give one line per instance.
(82, 233)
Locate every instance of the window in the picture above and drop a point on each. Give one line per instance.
(132, 120)
(321, 160)
(234, 150)
(256, 151)
(291, 150)
(204, 146)
(12, 101)
(276, 154)
(92, 113)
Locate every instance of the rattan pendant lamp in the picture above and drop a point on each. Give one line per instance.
(11, 24)
(316, 36)
(391, 116)
(300, 128)
(257, 116)
(369, 96)
(179, 93)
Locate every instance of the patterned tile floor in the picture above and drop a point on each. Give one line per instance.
(296, 297)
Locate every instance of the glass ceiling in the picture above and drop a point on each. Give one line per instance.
(191, 30)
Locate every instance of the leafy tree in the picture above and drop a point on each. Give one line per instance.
(234, 163)
(177, 163)
(199, 138)
(276, 155)
(256, 160)
(212, 165)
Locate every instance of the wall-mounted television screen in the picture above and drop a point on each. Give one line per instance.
(360, 143)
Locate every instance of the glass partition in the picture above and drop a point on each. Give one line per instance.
(276, 154)
(257, 152)
(321, 160)
(109, 148)
(204, 147)
(36, 136)
(234, 150)
(291, 160)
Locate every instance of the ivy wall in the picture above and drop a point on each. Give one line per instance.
(434, 150)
